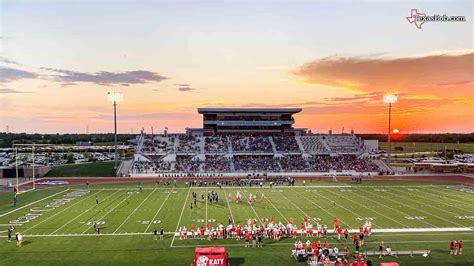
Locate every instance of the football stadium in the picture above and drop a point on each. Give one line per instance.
(246, 188)
(236, 133)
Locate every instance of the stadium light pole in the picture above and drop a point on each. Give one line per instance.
(115, 97)
(16, 169)
(389, 99)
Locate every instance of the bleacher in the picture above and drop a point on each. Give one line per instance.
(313, 145)
(342, 144)
(180, 153)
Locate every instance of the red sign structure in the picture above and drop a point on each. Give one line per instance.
(213, 256)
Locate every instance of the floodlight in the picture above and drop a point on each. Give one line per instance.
(115, 96)
(390, 98)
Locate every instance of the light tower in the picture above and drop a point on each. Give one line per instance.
(115, 97)
(390, 99)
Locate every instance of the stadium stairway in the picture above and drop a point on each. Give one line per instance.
(124, 168)
(229, 146)
(201, 143)
(300, 145)
(383, 166)
(176, 144)
(325, 144)
(273, 145)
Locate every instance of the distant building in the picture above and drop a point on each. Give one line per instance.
(248, 120)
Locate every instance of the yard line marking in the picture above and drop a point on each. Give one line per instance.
(330, 243)
(138, 207)
(275, 208)
(451, 194)
(228, 205)
(440, 202)
(324, 209)
(447, 196)
(439, 217)
(156, 214)
(54, 215)
(357, 215)
(372, 210)
(378, 203)
(17, 209)
(251, 205)
(180, 216)
(382, 232)
(70, 221)
(207, 199)
(107, 213)
(398, 202)
(304, 213)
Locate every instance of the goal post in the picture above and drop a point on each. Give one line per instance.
(26, 146)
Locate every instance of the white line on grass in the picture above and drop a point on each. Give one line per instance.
(430, 199)
(54, 215)
(207, 199)
(251, 205)
(17, 209)
(451, 194)
(180, 216)
(84, 212)
(296, 206)
(398, 202)
(448, 198)
(315, 204)
(137, 208)
(378, 203)
(228, 205)
(378, 232)
(357, 215)
(276, 208)
(330, 243)
(156, 214)
(107, 213)
(372, 210)
(439, 217)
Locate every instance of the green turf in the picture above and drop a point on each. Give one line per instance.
(428, 146)
(97, 169)
(122, 209)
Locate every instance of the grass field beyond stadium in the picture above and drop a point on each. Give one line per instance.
(64, 235)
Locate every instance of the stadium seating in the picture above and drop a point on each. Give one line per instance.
(180, 153)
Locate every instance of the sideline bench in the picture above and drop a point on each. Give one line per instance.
(395, 253)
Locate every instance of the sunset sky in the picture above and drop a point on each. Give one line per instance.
(58, 60)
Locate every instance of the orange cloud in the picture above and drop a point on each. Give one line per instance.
(433, 86)
(441, 74)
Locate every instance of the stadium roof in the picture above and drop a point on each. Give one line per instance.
(249, 110)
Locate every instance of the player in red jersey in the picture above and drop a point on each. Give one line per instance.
(202, 232)
(346, 233)
(238, 232)
(339, 232)
(355, 237)
(247, 239)
(335, 223)
(460, 244)
(192, 230)
(451, 247)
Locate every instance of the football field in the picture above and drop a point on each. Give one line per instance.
(59, 222)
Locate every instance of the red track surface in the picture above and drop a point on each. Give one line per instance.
(461, 179)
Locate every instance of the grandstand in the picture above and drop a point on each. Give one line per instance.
(251, 146)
